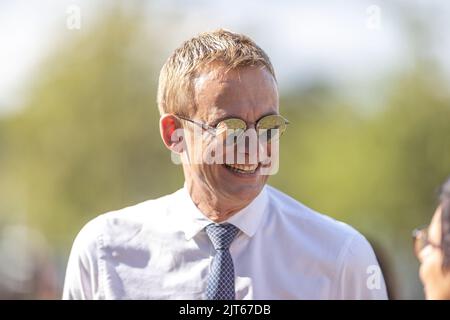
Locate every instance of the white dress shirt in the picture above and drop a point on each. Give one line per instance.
(159, 249)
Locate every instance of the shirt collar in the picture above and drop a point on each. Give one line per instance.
(247, 219)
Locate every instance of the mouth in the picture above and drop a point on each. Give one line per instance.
(242, 169)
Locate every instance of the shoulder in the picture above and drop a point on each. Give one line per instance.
(326, 239)
(102, 238)
(329, 245)
(122, 225)
(308, 221)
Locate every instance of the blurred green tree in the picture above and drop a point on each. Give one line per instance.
(87, 141)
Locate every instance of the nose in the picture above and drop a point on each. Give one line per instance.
(247, 143)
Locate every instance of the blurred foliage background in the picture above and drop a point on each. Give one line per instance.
(86, 141)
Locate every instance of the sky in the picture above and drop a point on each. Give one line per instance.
(351, 43)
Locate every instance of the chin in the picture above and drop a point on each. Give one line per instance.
(434, 295)
(239, 186)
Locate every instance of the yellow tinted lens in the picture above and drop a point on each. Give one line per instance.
(231, 129)
(232, 124)
(269, 123)
(420, 237)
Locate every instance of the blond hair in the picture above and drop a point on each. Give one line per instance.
(175, 88)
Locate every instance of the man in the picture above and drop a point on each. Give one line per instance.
(225, 234)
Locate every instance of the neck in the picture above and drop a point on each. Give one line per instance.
(215, 208)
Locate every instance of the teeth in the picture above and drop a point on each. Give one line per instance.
(245, 168)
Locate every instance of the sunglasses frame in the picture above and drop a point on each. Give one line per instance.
(213, 129)
(420, 238)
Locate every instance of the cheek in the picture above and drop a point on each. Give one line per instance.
(432, 276)
(268, 151)
(201, 150)
(426, 272)
(190, 147)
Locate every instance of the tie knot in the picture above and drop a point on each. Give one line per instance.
(221, 235)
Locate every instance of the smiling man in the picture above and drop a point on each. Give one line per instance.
(225, 234)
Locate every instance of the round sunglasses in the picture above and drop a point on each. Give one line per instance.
(420, 237)
(270, 127)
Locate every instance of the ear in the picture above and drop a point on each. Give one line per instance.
(172, 133)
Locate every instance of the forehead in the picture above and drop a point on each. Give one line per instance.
(245, 92)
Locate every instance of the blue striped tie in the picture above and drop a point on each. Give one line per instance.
(221, 278)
